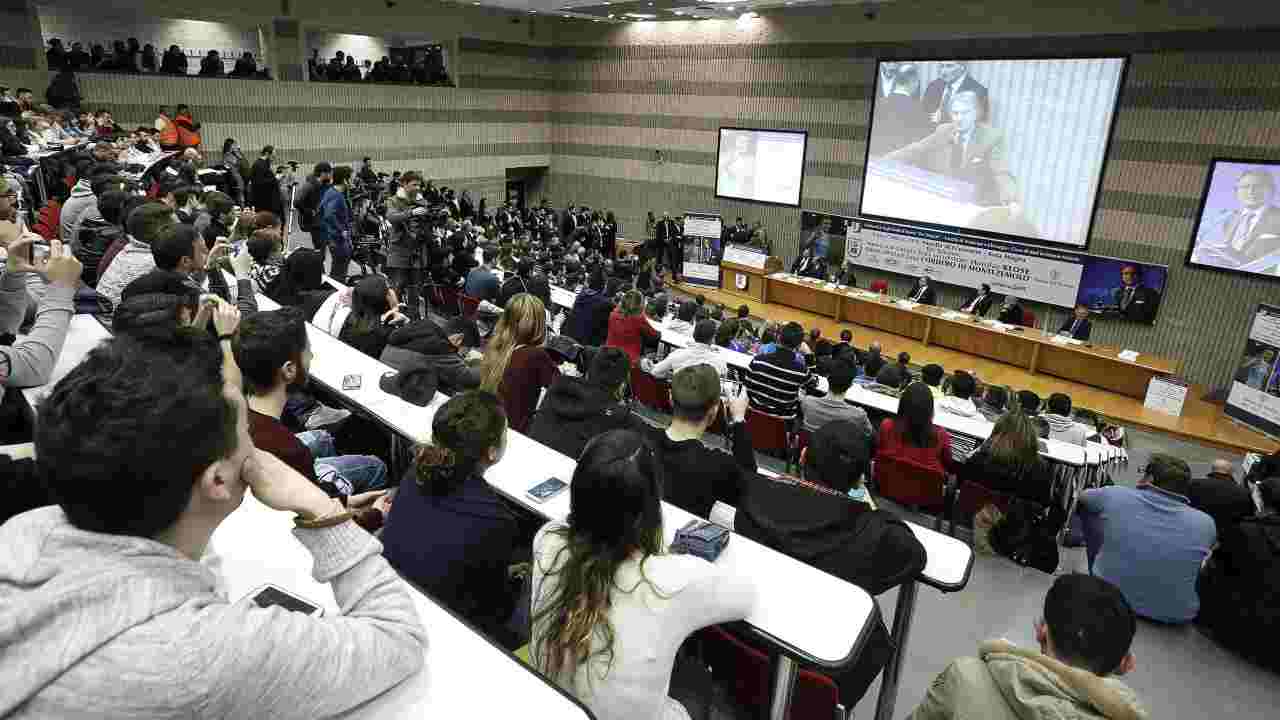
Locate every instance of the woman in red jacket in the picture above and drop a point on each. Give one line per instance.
(516, 366)
(629, 326)
(912, 436)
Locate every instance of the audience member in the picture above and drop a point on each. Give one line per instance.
(145, 223)
(912, 437)
(1061, 426)
(629, 327)
(888, 381)
(1029, 401)
(958, 400)
(333, 226)
(699, 475)
(524, 280)
(126, 556)
(993, 402)
(274, 357)
(1240, 585)
(775, 379)
(683, 322)
(1085, 638)
(482, 282)
(1009, 461)
(1220, 497)
(699, 352)
(610, 606)
(448, 532)
(516, 366)
(904, 367)
(27, 362)
(577, 409)
(374, 315)
(819, 411)
(266, 247)
(932, 375)
(588, 320)
(302, 284)
(1148, 540)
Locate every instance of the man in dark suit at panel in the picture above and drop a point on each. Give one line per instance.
(1132, 299)
(955, 79)
(923, 292)
(810, 264)
(1240, 237)
(1077, 326)
(979, 302)
(967, 150)
(1011, 311)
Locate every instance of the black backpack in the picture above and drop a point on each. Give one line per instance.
(92, 242)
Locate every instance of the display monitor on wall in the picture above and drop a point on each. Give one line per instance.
(1012, 149)
(1238, 228)
(764, 166)
(1122, 289)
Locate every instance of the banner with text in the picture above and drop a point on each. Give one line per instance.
(702, 248)
(1254, 399)
(1026, 271)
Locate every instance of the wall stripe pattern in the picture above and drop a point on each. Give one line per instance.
(1188, 97)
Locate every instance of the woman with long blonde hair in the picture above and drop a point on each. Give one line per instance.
(516, 367)
(610, 607)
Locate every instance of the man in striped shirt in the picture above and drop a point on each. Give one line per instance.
(776, 379)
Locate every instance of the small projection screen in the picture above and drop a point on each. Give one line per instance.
(765, 166)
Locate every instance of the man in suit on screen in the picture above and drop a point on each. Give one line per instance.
(967, 150)
(1241, 237)
(955, 79)
(1133, 300)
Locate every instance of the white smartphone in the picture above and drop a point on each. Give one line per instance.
(273, 595)
(547, 489)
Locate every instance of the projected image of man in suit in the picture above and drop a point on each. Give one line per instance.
(1243, 236)
(970, 150)
(955, 79)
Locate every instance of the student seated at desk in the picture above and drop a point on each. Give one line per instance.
(912, 436)
(373, 315)
(577, 409)
(699, 352)
(629, 327)
(448, 532)
(832, 407)
(1085, 640)
(610, 606)
(729, 336)
(1009, 460)
(516, 366)
(107, 608)
(828, 520)
(957, 401)
(1061, 426)
(302, 284)
(993, 403)
(777, 377)
(423, 343)
(588, 321)
(684, 319)
(697, 475)
(932, 375)
(274, 355)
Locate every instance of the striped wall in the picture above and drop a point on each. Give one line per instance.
(1188, 96)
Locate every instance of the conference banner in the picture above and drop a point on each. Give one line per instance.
(1030, 272)
(702, 248)
(1254, 399)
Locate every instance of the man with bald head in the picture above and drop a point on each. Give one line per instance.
(1220, 497)
(967, 149)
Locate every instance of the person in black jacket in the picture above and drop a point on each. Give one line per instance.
(697, 475)
(525, 281)
(979, 302)
(829, 521)
(575, 410)
(588, 321)
(265, 186)
(448, 532)
(1011, 311)
(422, 343)
(1009, 461)
(923, 292)
(374, 315)
(1240, 585)
(1220, 497)
(1077, 326)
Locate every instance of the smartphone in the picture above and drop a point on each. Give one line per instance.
(273, 595)
(351, 382)
(547, 489)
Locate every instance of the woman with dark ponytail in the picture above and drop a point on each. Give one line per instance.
(610, 607)
(448, 533)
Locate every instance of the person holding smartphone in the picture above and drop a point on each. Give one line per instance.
(107, 608)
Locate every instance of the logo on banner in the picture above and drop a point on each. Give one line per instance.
(853, 246)
(740, 281)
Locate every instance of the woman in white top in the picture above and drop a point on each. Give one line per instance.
(610, 609)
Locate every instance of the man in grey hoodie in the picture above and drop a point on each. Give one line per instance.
(144, 225)
(105, 608)
(1061, 426)
(83, 204)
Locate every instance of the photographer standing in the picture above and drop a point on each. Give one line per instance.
(333, 227)
(407, 254)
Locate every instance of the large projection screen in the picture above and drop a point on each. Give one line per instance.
(764, 166)
(1006, 148)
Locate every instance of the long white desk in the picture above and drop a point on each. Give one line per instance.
(802, 612)
(254, 545)
(83, 334)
